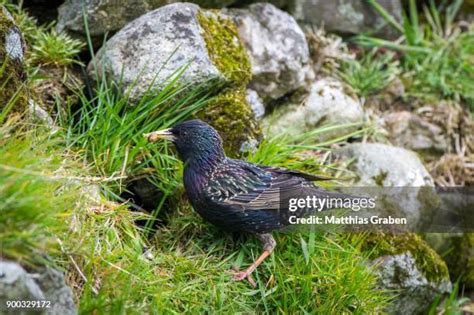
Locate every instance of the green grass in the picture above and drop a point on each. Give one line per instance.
(370, 74)
(188, 270)
(36, 192)
(452, 305)
(52, 48)
(45, 45)
(115, 266)
(436, 54)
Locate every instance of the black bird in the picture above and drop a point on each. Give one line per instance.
(234, 194)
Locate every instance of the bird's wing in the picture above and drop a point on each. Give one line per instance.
(307, 176)
(253, 187)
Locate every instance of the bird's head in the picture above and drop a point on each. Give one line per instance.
(195, 141)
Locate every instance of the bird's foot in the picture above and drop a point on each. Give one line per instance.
(241, 275)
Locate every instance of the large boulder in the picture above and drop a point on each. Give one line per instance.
(328, 103)
(12, 50)
(204, 44)
(152, 48)
(277, 47)
(347, 16)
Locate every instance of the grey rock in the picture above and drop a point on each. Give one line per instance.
(13, 43)
(379, 164)
(152, 48)
(255, 103)
(412, 132)
(412, 193)
(17, 284)
(47, 284)
(249, 146)
(414, 293)
(40, 114)
(102, 15)
(277, 48)
(326, 104)
(54, 286)
(347, 16)
(109, 16)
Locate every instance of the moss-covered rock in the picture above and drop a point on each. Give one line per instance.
(229, 111)
(427, 260)
(230, 114)
(408, 267)
(458, 252)
(13, 92)
(203, 44)
(225, 48)
(460, 259)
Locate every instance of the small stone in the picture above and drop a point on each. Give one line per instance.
(410, 131)
(14, 44)
(326, 104)
(256, 103)
(40, 114)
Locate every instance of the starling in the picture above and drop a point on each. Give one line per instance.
(233, 194)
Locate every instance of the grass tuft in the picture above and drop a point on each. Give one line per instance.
(437, 54)
(369, 74)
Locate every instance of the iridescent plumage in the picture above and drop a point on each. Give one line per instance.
(234, 194)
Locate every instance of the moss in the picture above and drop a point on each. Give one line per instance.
(12, 90)
(229, 111)
(225, 47)
(460, 259)
(380, 178)
(230, 114)
(427, 260)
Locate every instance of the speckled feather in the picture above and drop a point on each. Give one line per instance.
(235, 194)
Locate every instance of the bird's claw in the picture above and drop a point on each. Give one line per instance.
(241, 275)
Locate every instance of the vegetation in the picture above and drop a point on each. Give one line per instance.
(33, 169)
(370, 74)
(51, 48)
(62, 188)
(436, 55)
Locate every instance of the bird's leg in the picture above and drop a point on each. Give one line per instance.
(269, 244)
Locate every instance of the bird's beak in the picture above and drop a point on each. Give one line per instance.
(160, 134)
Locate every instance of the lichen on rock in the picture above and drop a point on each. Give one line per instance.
(13, 92)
